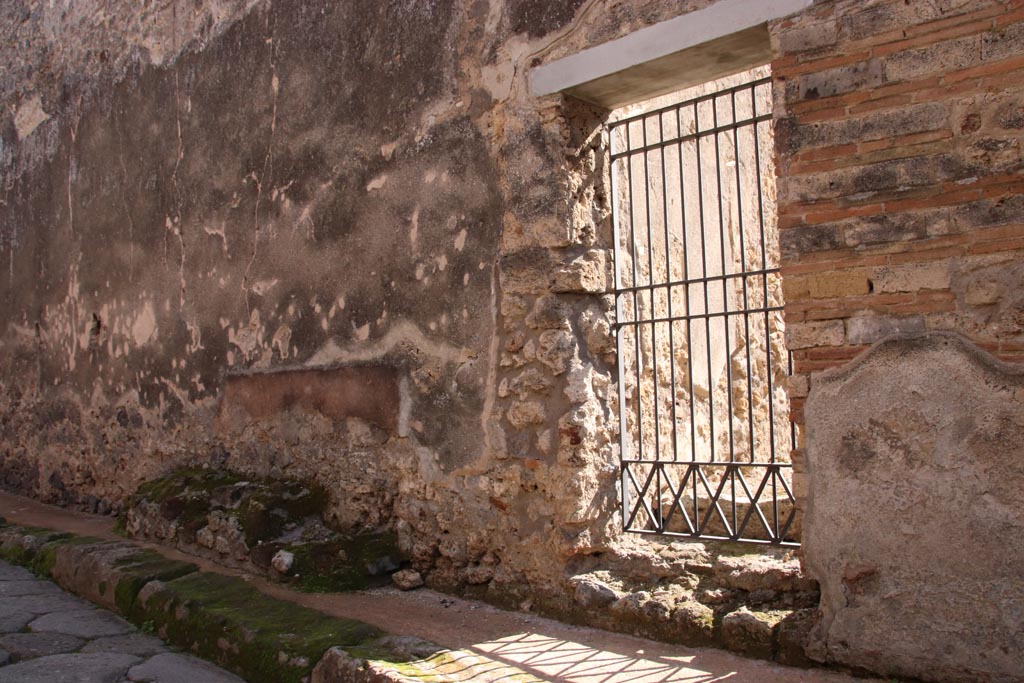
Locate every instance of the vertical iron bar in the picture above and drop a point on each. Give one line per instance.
(686, 301)
(636, 305)
(707, 304)
(767, 316)
(654, 316)
(668, 278)
(725, 307)
(743, 268)
(620, 334)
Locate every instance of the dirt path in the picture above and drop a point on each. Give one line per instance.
(509, 645)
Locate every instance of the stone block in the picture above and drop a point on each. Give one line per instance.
(588, 273)
(918, 118)
(890, 176)
(523, 413)
(948, 55)
(95, 666)
(791, 636)
(694, 622)
(407, 579)
(892, 227)
(867, 329)
(808, 335)
(526, 271)
(920, 578)
(984, 293)
(591, 592)
(804, 37)
(1003, 44)
(839, 283)
(810, 239)
(549, 313)
(172, 667)
(912, 277)
(839, 80)
(749, 633)
(798, 385)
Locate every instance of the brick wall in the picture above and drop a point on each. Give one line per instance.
(899, 130)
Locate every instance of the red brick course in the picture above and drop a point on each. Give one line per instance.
(899, 135)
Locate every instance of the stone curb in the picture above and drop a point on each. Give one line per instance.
(221, 618)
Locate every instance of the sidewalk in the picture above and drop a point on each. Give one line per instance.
(50, 636)
(483, 643)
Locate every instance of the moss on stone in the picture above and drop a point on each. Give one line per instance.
(343, 564)
(227, 621)
(139, 569)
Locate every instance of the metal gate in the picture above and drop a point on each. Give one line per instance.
(704, 419)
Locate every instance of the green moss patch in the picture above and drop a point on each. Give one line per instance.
(227, 621)
(271, 516)
(139, 569)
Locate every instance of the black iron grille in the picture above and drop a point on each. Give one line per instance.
(704, 420)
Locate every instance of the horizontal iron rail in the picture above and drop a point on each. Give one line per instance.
(697, 280)
(708, 463)
(703, 536)
(695, 316)
(724, 128)
(750, 85)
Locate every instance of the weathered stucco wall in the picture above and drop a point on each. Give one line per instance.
(929, 585)
(221, 222)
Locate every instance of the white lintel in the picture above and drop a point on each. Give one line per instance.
(694, 29)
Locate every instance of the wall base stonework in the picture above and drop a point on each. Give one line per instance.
(913, 518)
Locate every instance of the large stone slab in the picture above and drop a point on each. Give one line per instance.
(70, 668)
(92, 623)
(42, 604)
(12, 622)
(913, 525)
(9, 572)
(178, 668)
(137, 644)
(24, 646)
(111, 574)
(14, 589)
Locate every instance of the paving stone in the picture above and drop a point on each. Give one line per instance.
(12, 622)
(138, 644)
(177, 668)
(8, 572)
(22, 646)
(90, 623)
(15, 589)
(95, 667)
(41, 604)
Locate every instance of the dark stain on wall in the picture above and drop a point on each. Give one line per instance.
(537, 18)
(370, 393)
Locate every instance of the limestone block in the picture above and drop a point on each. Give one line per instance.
(557, 347)
(590, 591)
(407, 579)
(867, 329)
(806, 335)
(915, 467)
(912, 277)
(749, 633)
(587, 273)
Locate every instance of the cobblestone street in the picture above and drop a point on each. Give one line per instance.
(50, 636)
